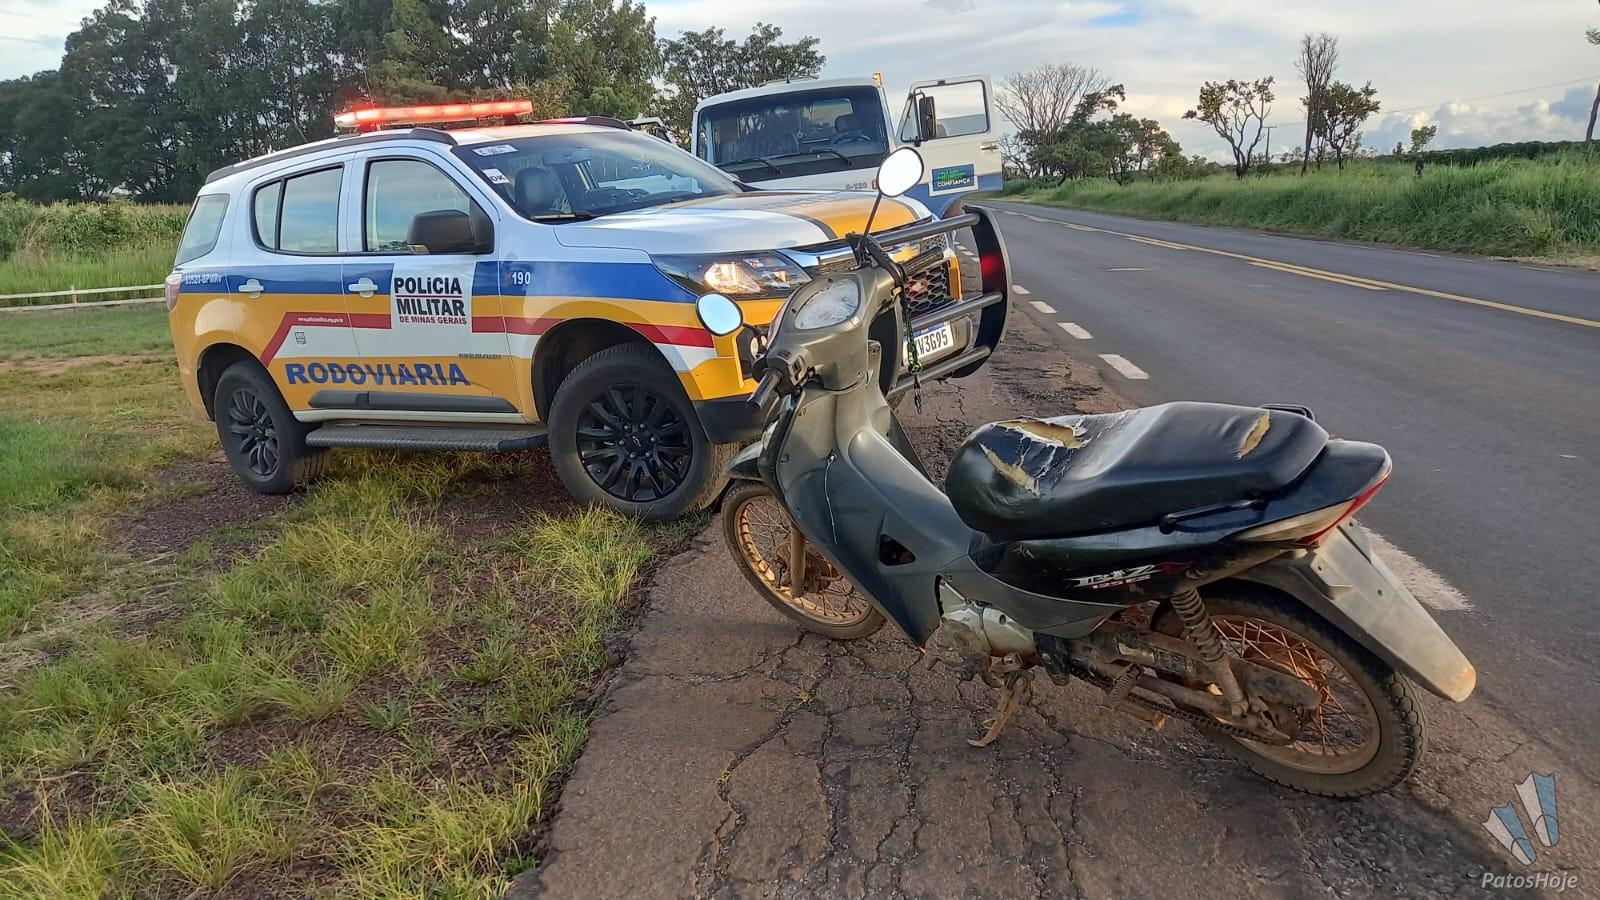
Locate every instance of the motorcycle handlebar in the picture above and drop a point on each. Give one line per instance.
(765, 393)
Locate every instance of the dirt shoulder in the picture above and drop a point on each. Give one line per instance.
(736, 757)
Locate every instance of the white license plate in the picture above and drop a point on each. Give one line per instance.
(931, 342)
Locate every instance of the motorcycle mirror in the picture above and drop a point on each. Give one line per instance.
(899, 172)
(719, 315)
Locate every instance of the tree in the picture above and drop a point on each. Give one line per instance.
(1080, 147)
(1420, 138)
(1319, 58)
(1042, 100)
(1132, 145)
(1344, 108)
(1237, 112)
(701, 64)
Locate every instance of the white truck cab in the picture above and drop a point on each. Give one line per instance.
(831, 134)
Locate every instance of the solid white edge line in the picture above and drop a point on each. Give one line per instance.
(1077, 331)
(1124, 368)
(1429, 586)
(1044, 307)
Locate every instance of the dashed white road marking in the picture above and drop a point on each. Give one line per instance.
(1077, 331)
(1044, 307)
(1128, 269)
(1021, 290)
(1124, 368)
(1429, 586)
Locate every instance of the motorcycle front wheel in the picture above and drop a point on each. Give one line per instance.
(758, 532)
(1368, 733)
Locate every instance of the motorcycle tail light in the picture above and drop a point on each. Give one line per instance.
(1312, 528)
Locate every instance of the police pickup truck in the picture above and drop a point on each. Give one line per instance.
(502, 286)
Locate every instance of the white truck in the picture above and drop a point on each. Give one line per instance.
(831, 134)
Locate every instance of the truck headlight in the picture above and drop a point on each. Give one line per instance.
(742, 276)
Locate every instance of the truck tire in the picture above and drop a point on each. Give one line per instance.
(264, 442)
(624, 435)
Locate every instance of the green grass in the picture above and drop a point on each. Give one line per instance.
(1543, 208)
(29, 273)
(76, 445)
(211, 751)
(113, 330)
(85, 245)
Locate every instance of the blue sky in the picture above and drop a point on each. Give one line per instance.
(1484, 71)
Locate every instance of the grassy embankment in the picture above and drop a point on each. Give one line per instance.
(85, 245)
(368, 693)
(1546, 208)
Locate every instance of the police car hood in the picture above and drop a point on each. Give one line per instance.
(757, 220)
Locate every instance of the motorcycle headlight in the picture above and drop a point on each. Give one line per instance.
(829, 306)
(743, 276)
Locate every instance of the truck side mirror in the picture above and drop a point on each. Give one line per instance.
(927, 118)
(450, 231)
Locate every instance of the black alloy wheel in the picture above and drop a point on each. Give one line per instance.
(251, 423)
(634, 443)
(265, 444)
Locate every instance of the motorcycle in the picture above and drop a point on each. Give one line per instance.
(1195, 561)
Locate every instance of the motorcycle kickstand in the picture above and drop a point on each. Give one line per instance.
(1017, 686)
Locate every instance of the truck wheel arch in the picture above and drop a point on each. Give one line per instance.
(563, 347)
(215, 360)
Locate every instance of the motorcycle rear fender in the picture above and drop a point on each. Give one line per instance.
(1347, 584)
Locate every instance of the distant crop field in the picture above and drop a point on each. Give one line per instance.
(85, 245)
(1549, 207)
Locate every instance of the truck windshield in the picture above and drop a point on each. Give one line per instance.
(584, 174)
(794, 133)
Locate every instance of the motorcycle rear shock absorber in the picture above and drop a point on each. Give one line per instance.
(1198, 628)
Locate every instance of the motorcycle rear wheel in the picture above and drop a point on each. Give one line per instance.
(756, 527)
(1369, 733)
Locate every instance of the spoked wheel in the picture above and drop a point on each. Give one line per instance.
(819, 598)
(634, 443)
(1368, 732)
(1342, 734)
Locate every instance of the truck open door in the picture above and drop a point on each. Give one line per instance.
(952, 123)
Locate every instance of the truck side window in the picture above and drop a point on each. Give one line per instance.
(399, 189)
(265, 213)
(308, 217)
(962, 108)
(205, 224)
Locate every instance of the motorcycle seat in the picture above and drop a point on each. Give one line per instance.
(1029, 479)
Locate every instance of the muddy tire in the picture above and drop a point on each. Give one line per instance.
(623, 434)
(264, 442)
(755, 526)
(1369, 733)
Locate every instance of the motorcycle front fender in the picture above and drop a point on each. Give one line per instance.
(1350, 586)
(746, 463)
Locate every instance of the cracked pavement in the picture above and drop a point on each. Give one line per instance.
(734, 756)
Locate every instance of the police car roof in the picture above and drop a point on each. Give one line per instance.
(460, 137)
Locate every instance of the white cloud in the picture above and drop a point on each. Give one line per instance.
(1419, 53)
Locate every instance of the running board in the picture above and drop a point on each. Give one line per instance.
(482, 438)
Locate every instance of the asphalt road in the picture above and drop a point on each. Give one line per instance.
(1482, 378)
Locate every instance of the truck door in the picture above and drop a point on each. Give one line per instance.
(287, 278)
(428, 326)
(952, 123)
